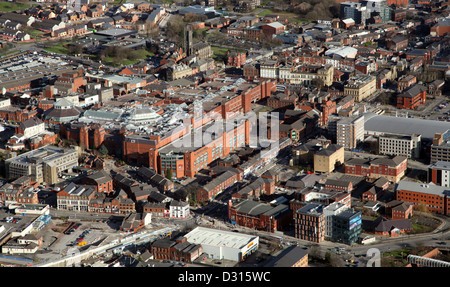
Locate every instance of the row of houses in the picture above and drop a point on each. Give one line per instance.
(81, 198)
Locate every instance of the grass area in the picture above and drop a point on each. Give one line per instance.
(280, 13)
(398, 253)
(265, 12)
(398, 258)
(419, 228)
(58, 48)
(13, 6)
(35, 33)
(111, 61)
(219, 53)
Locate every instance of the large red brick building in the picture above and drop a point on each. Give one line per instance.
(392, 169)
(310, 223)
(412, 97)
(259, 215)
(236, 59)
(217, 185)
(432, 197)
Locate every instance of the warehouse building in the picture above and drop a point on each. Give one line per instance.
(380, 124)
(220, 244)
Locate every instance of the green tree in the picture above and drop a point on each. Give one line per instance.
(169, 174)
(103, 150)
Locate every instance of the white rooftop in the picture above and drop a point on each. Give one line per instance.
(215, 237)
(344, 52)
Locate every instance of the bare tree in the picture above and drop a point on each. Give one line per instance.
(151, 30)
(336, 261)
(314, 252)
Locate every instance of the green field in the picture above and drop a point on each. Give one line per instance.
(111, 61)
(35, 33)
(58, 48)
(13, 6)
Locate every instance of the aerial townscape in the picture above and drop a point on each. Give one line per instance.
(225, 133)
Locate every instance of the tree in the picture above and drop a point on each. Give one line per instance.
(175, 29)
(314, 252)
(151, 30)
(335, 261)
(169, 174)
(193, 17)
(317, 83)
(75, 49)
(103, 150)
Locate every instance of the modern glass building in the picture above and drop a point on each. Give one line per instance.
(346, 227)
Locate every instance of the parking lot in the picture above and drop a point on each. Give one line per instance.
(9, 221)
(58, 238)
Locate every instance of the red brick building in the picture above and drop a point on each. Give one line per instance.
(310, 223)
(430, 196)
(178, 250)
(258, 215)
(70, 81)
(392, 228)
(338, 185)
(217, 185)
(396, 209)
(406, 82)
(236, 59)
(370, 195)
(397, 43)
(441, 28)
(256, 188)
(273, 28)
(412, 97)
(42, 140)
(16, 114)
(100, 181)
(392, 169)
(398, 3)
(282, 101)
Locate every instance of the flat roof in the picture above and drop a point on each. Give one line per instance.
(440, 165)
(116, 32)
(404, 126)
(215, 237)
(428, 188)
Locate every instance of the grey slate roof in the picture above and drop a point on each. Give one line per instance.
(256, 208)
(288, 257)
(385, 225)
